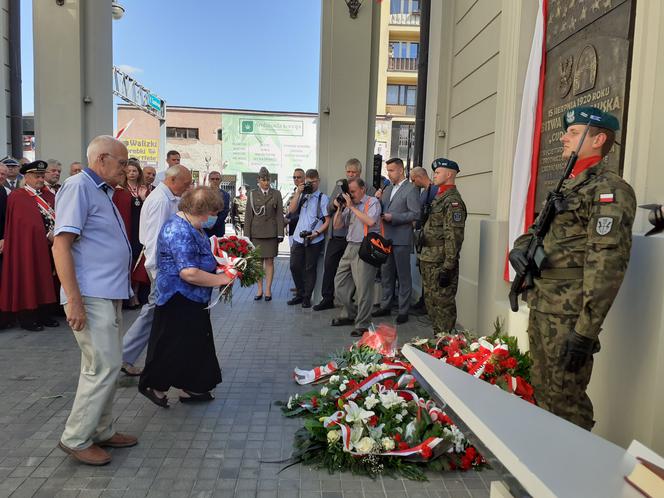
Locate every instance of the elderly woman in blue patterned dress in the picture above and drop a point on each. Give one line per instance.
(181, 350)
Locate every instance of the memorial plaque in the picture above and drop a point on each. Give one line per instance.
(588, 54)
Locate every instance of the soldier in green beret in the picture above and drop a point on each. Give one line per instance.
(442, 238)
(587, 250)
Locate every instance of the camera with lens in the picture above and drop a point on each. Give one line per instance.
(304, 235)
(308, 188)
(655, 217)
(343, 184)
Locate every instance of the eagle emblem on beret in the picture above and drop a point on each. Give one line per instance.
(570, 116)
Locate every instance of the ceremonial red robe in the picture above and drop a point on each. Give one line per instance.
(27, 274)
(122, 200)
(48, 196)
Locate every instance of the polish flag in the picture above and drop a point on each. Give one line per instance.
(524, 169)
(120, 132)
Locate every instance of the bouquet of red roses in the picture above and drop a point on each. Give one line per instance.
(238, 259)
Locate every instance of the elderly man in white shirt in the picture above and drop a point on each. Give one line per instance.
(160, 205)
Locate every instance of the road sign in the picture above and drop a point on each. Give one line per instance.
(154, 102)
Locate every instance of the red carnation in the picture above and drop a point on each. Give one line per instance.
(314, 401)
(389, 384)
(403, 445)
(373, 421)
(437, 353)
(397, 437)
(509, 364)
(426, 452)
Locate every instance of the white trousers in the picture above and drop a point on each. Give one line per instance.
(91, 417)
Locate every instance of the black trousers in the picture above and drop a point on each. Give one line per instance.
(303, 262)
(335, 250)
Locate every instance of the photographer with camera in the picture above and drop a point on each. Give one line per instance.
(337, 243)
(355, 277)
(308, 239)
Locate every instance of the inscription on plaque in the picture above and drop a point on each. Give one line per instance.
(588, 48)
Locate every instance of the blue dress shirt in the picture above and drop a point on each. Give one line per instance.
(311, 216)
(182, 246)
(102, 252)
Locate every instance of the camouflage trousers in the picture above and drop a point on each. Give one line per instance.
(556, 390)
(440, 302)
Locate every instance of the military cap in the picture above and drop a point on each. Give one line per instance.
(597, 117)
(441, 162)
(263, 173)
(37, 166)
(9, 161)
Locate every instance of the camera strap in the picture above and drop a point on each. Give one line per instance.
(319, 215)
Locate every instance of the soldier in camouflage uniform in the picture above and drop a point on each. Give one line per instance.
(238, 209)
(587, 250)
(442, 237)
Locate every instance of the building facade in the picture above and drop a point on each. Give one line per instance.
(397, 78)
(211, 139)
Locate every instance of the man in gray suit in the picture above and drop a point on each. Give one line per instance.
(401, 207)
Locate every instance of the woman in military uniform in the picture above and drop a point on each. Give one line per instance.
(264, 225)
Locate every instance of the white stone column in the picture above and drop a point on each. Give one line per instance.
(73, 58)
(347, 101)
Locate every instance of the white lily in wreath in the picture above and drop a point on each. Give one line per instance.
(354, 413)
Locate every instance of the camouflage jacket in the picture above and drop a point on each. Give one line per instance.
(443, 231)
(587, 249)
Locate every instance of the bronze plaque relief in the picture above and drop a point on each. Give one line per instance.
(588, 53)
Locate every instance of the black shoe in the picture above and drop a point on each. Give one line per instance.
(32, 326)
(196, 397)
(268, 298)
(402, 318)
(149, 393)
(358, 332)
(324, 305)
(258, 298)
(381, 312)
(306, 302)
(295, 300)
(50, 322)
(338, 322)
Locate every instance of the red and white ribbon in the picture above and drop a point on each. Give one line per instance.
(484, 354)
(366, 384)
(337, 419)
(430, 443)
(304, 377)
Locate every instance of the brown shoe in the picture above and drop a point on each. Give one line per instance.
(119, 440)
(92, 455)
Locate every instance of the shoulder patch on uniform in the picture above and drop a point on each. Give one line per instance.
(606, 198)
(456, 216)
(604, 225)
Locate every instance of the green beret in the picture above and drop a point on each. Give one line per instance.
(598, 118)
(441, 162)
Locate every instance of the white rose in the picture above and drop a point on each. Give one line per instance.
(365, 445)
(334, 379)
(371, 401)
(342, 387)
(404, 413)
(388, 443)
(398, 417)
(333, 436)
(323, 391)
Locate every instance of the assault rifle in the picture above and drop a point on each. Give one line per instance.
(535, 251)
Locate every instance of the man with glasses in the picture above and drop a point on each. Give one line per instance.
(308, 239)
(292, 217)
(337, 243)
(219, 228)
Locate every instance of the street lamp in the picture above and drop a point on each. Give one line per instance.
(117, 11)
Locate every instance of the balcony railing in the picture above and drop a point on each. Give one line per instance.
(401, 64)
(400, 110)
(409, 19)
